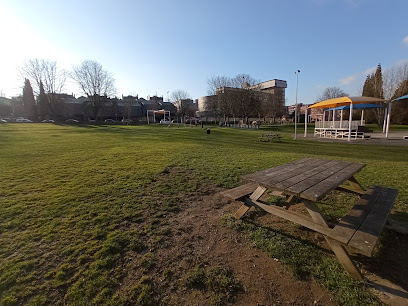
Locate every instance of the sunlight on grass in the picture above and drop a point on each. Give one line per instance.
(76, 201)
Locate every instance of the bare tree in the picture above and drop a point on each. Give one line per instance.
(183, 107)
(215, 82)
(233, 102)
(331, 93)
(273, 107)
(396, 85)
(392, 78)
(179, 94)
(47, 73)
(95, 82)
(243, 80)
(221, 103)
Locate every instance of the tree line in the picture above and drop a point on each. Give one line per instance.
(388, 85)
(44, 79)
(391, 84)
(44, 83)
(238, 97)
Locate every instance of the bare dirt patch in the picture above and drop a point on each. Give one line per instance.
(198, 240)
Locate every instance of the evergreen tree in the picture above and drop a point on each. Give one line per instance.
(30, 108)
(373, 87)
(378, 83)
(368, 87)
(43, 103)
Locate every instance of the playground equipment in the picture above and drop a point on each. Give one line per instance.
(162, 112)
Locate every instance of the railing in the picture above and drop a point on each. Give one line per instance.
(338, 124)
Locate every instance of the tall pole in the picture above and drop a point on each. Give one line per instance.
(350, 121)
(388, 120)
(296, 105)
(305, 121)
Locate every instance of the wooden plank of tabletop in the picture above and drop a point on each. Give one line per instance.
(254, 176)
(322, 188)
(300, 187)
(306, 175)
(270, 181)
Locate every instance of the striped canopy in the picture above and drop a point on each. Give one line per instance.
(345, 101)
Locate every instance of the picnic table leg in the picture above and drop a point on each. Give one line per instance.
(356, 185)
(354, 188)
(245, 207)
(292, 199)
(336, 247)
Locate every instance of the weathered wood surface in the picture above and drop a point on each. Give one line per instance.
(321, 189)
(308, 178)
(260, 174)
(317, 178)
(291, 216)
(247, 205)
(239, 192)
(305, 175)
(367, 235)
(272, 178)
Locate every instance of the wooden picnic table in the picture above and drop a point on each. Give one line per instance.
(309, 180)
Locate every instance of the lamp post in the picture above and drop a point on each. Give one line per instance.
(297, 82)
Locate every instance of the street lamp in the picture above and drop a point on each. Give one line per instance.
(297, 81)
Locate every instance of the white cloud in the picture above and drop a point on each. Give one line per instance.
(370, 70)
(405, 40)
(348, 80)
(357, 77)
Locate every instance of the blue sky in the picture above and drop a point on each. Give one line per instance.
(154, 47)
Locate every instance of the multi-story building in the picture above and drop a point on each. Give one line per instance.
(270, 94)
(186, 107)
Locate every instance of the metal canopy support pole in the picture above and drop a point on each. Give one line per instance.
(148, 117)
(362, 117)
(333, 117)
(350, 121)
(388, 120)
(341, 118)
(385, 119)
(305, 121)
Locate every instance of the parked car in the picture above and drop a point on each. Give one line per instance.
(3, 121)
(165, 121)
(72, 121)
(48, 121)
(92, 121)
(127, 121)
(110, 121)
(23, 120)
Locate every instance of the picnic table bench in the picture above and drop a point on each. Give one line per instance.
(270, 137)
(309, 180)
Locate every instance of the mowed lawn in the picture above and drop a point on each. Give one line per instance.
(75, 201)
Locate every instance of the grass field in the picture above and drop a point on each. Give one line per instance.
(77, 201)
